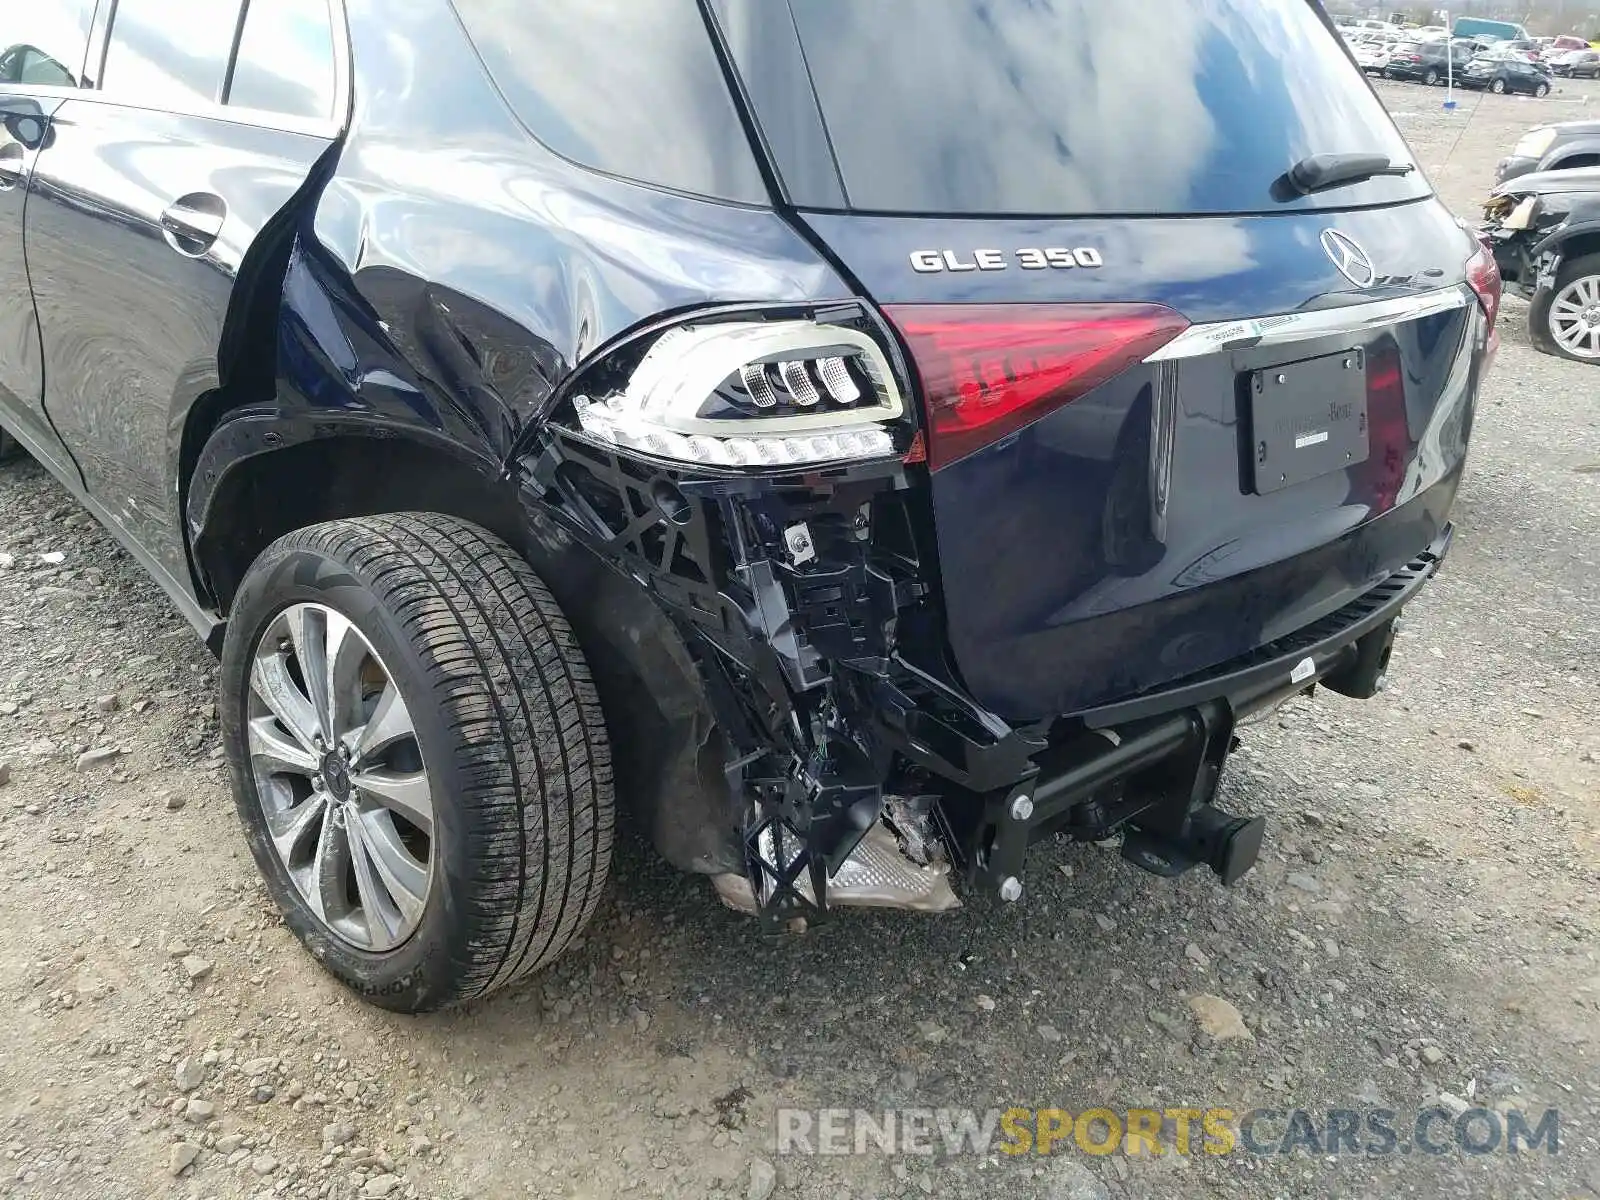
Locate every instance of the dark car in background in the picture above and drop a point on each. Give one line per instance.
(846, 443)
(1576, 64)
(1545, 231)
(1558, 147)
(1506, 71)
(1428, 62)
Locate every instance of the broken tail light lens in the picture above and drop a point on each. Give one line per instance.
(764, 394)
(989, 370)
(1483, 274)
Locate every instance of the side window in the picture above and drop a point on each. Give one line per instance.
(43, 42)
(629, 87)
(170, 54)
(285, 62)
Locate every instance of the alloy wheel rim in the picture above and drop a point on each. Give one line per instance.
(340, 778)
(1575, 317)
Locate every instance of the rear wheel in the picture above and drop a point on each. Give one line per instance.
(1498, 87)
(1565, 319)
(1432, 77)
(418, 756)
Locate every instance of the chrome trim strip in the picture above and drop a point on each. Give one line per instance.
(1200, 340)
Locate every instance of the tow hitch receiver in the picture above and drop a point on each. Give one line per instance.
(1155, 782)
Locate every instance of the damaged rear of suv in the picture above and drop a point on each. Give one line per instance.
(849, 443)
(1544, 229)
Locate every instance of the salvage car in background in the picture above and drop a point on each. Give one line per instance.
(1428, 62)
(1559, 147)
(1506, 71)
(1545, 232)
(1372, 54)
(1577, 64)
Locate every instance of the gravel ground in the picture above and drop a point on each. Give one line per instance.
(1422, 926)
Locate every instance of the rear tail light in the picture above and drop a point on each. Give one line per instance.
(988, 370)
(762, 394)
(1483, 274)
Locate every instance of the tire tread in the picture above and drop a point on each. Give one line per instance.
(511, 681)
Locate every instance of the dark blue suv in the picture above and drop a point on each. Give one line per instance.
(848, 442)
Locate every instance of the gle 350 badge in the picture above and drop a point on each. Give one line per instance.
(1030, 258)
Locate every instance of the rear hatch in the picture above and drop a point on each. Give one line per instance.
(1176, 410)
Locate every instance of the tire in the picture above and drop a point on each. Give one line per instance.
(483, 801)
(1431, 78)
(10, 448)
(1498, 87)
(1542, 91)
(1549, 318)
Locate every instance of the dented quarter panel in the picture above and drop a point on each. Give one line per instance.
(451, 278)
(490, 267)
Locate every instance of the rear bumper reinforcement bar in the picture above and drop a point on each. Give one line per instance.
(1150, 766)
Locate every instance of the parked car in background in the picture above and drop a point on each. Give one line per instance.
(1371, 54)
(1529, 46)
(1545, 232)
(1568, 145)
(1567, 42)
(1577, 64)
(1427, 62)
(1506, 71)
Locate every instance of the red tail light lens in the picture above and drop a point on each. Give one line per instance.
(1483, 273)
(988, 370)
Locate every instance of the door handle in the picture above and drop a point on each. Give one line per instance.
(193, 223)
(12, 159)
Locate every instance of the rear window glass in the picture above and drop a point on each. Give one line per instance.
(631, 87)
(1085, 106)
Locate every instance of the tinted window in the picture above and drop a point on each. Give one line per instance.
(285, 62)
(631, 87)
(1087, 106)
(170, 53)
(42, 42)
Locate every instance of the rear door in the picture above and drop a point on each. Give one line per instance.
(1177, 410)
(42, 48)
(152, 193)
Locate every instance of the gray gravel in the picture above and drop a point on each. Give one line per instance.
(1422, 927)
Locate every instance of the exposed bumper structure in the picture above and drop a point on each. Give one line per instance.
(1154, 762)
(810, 621)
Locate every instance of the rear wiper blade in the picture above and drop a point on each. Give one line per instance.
(1319, 172)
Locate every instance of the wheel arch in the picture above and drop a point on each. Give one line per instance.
(261, 474)
(1573, 240)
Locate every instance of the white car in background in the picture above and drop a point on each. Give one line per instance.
(1372, 54)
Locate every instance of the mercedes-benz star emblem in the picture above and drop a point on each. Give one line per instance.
(1349, 257)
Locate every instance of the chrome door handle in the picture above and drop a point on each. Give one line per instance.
(194, 222)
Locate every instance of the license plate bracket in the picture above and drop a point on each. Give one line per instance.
(1306, 419)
